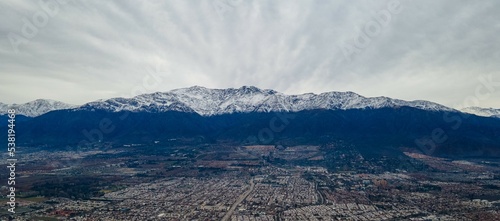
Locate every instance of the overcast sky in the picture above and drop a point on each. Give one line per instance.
(77, 52)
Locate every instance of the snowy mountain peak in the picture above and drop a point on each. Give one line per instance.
(35, 108)
(208, 102)
(252, 89)
(484, 112)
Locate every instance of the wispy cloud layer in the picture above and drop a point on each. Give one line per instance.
(82, 51)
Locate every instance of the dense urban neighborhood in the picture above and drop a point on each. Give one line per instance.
(259, 182)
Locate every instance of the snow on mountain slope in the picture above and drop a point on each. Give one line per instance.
(35, 108)
(485, 112)
(3, 108)
(156, 102)
(208, 102)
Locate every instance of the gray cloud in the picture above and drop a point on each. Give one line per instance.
(432, 50)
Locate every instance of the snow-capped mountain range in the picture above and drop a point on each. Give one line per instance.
(36, 107)
(485, 112)
(209, 102)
